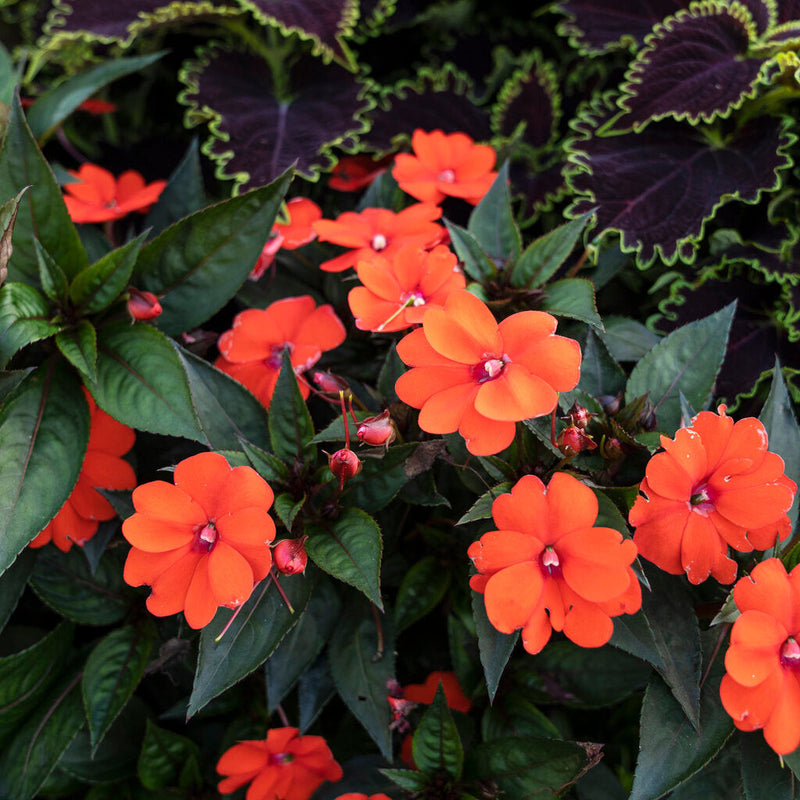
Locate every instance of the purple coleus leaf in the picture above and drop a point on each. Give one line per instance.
(788, 10)
(325, 22)
(437, 100)
(595, 26)
(660, 186)
(529, 102)
(540, 187)
(695, 67)
(256, 135)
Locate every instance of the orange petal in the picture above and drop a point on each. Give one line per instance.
(321, 328)
(171, 586)
(782, 731)
(444, 410)
(659, 539)
(105, 471)
(484, 436)
(418, 385)
(201, 603)
(167, 502)
(524, 509)
(379, 277)
(595, 561)
(669, 478)
(747, 445)
(753, 507)
(751, 706)
(571, 505)
(688, 453)
(466, 331)
(754, 651)
(701, 548)
(109, 436)
(515, 395)
(253, 336)
(586, 625)
(415, 350)
(244, 757)
(229, 575)
(373, 314)
(767, 589)
(204, 478)
(715, 431)
(498, 550)
(144, 568)
(512, 595)
(254, 375)
(155, 535)
(536, 633)
(243, 488)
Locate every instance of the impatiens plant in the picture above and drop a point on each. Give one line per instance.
(358, 369)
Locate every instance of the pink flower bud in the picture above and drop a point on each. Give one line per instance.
(578, 416)
(274, 243)
(378, 431)
(142, 305)
(328, 382)
(289, 556)
(573, 440)
(344, 464)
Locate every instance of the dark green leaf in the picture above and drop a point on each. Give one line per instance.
(302, 644)
(9, 75)
(391, 370)
(8, 216)
(687, 360)
(227, 413)
(525, 766)
(66, 583)
(314, 691)
(270, 468)
(436, 744)
(112, 672)
(56, 104)
(600, 374)
(252, 637)
(409, 779)
(168, 759)
(12, 584)
(290, 427)
(42, 214)
(495, 647)
(198, 264)
(763, 775)
(79, 346)
(382, 477)
(100, 284)
(573, 298)
(287, 508)
(349, 548)
(665, 730)
(24, 318)
(51, 276)
(475, 263)
(627, 339)
(44, 423)
(10, 379)
(482, 507)
(360, 670)
(422, 589)
(633, 634)
(492, 222)
(514, 714)
(543, 256)
(141, 381)
(383, 192)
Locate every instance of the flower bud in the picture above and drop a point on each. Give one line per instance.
(572, 440)
(578, 416)
(378, 431)
(612, 449)
(328, 382)
(289, 556)
(611, 403)
(274, 243)
(142, 305)
(344, 464)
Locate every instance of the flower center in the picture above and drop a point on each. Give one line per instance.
(549, 562)
(701, 501)
(275, 358)
(790, 654)
(489, 368)
(415, 298)
(205, 537)
(379, 242)
(281, 758)
(447, 175)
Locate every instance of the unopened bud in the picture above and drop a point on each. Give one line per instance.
(378, 431)
(290, 556)
(344, 464)
(142, 305)
(647, 419)
(573, 440)
(611, 403)
(612, 449)
(328, 382)
(274, 243)
(578, 416)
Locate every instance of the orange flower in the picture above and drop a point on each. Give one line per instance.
(396, 294)
(715, 486)
(379, 231)
(252, 351)
(761, 688)
(285, 765)
(202, 542)
(99, 197)
(356, 172)
(290, 235)
(445, 164)
(103, 468)
(548, 568)
(479, 378)
(425, 692)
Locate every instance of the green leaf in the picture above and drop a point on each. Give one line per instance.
(303, 643)
(112, 672)
(763, 775)
(381, 478)
(9, 75)
(54, 106)
(600, 374)
(42, 214)
(141, 381)
(422, 589)
(227, 412)
(199, 263)
(45, 422)
(183, 194)
(24, 318)
(287, 508)
(527, 766)
(290, 427)
(10, 379)
(360, 670)
(8, 216)
(476, 264)
(543, 256)
(349, 548)
(314, 691)
(270, 468)
(51, 276)
(26, 675)
(436, 745)
(784, 435)
(492, 221)
(495, 647)
(41, 740)
(12, 584)
(79, 346)
(259, 626)
(687, 360)
(665, 730)
(409, 779)
(391, 369)
(573, 298)
(65, 582)
(168, 759)
(100, 284)
(627, 339)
